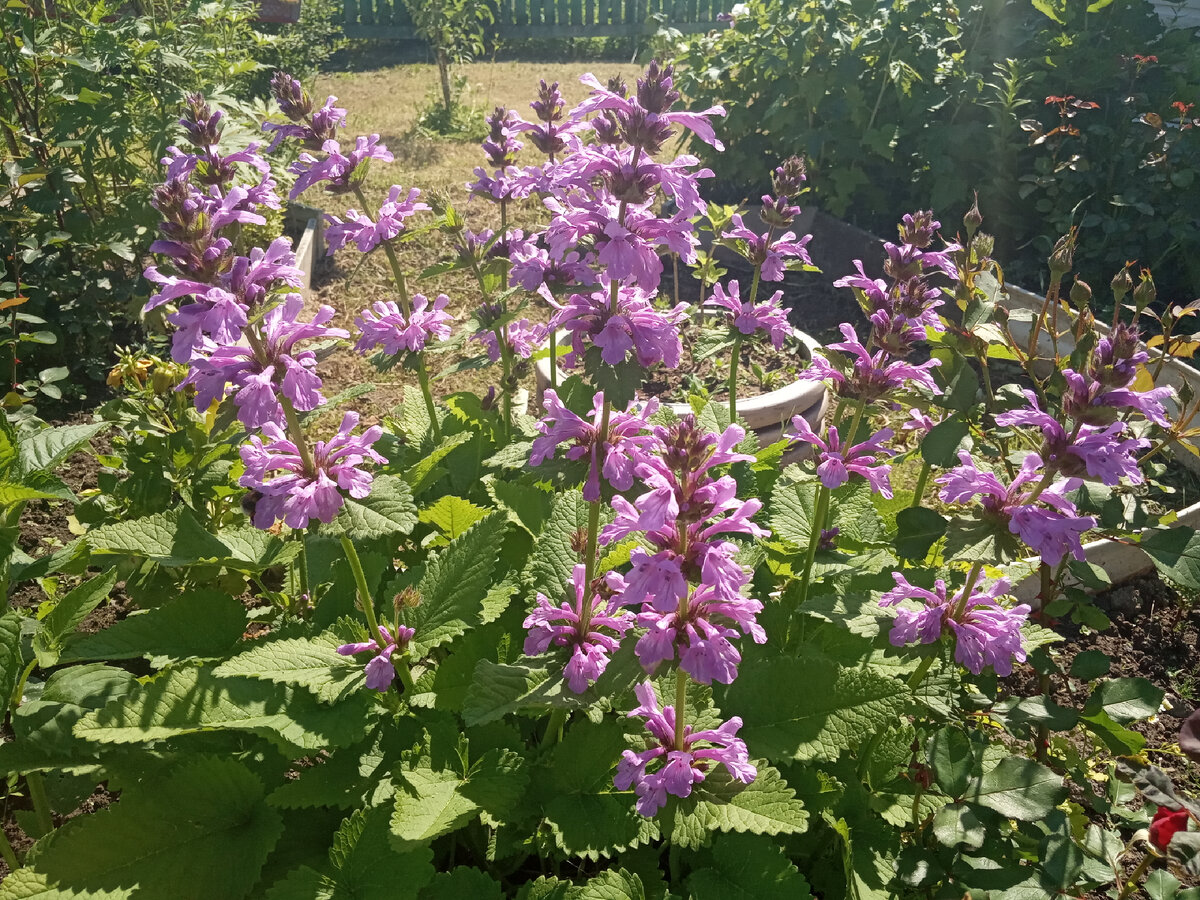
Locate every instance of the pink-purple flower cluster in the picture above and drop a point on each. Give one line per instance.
(750, 318)
(985, 633)
(379, 669)
(835, 465)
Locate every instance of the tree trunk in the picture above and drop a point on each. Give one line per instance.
(444, 72)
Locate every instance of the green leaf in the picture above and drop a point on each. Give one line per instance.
(309, 662)
(388, 510)
(526, 507)
(71, 609)
(11, 493)
(1176, 554)
(11, 662)
(1125, 699)
(46, 450)
(202, 831)
(1047, 8)
(1019, 788)
(424, 471)
(8, 446)
(452, 516)
(251, 549)
(854, 513)
(345, 777)
(461, 882)
(748, 867)
(550, 566)
(190, 699)
(432, 802)
(765, 806)
(201, 624)
(952, 757)
(1119, 740)
(362, 865)
(1090, 665)
(958, 823)
(793, 505)
(940, 446)
(971, 539)
(173, 538)
(838, 708)
(454, 585)
(615, 884)
(917, 530)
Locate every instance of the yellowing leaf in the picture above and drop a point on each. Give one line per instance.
(13, 301)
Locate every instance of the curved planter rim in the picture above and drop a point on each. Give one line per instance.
(759, 411)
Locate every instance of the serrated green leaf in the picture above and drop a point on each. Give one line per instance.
(1176, 554)
(838, 708)
(526, 506)
(173, 538)
(445, 685)
(452, 516)
(11, 492)
(461, 882)
(748, 867)
(854, 514)
(765, 806)
(424, 471)
(917, 530)
(202, 831)
(387, 511)
(253, 550)
(615, 884)
(1019, 788)
(793, 505)
(11, 662)
(453, 587)
(432, 802)
(1125, 699)
(201, 624)
(189, 699)
(309, 662)
(940, 446)
(958, 823)
(47, 449)
(550, 566)
(71, 609)
(498, 690)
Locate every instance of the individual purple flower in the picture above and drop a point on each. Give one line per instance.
(682, 766)
(1103, 453)
(1053, 529)
(342, 171)
(632, 324)
(313, 134)
(501, 145)
(591, 635)
(287, 489)
(986, 634)
(835, 465)
(918, 421)
(257, 382)
(772, 254)
(625, 444)
(368, 233)
(866, 376)
(749, 318)
(379, 669)
(523, 338)
(1117, 356)
(1093, 403)
(216, 317)
(384, 326)
(698, 631)
(533, 269)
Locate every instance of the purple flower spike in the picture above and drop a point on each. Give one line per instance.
(563, 626)
(835, 466)
(767, 316)
(645, 120)
(289, 491)
(379, 669)
(682, 767)
(383, 326)
(631, 325)
(1092, 402)
(367, 233)
(772, 255)
(986, 634)
(868, 376)
(522, 337)
(625, 446)
(342, 171)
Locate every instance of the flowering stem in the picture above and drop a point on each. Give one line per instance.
(554, 358)
(360, 581)
(296, 430)
(972, 577)
(41, 804)
(814, 540)
(914, 681)
(1132, 884)
(593, 534)
(919, 490)
(681, 682)
(554, 727)
(733, 377)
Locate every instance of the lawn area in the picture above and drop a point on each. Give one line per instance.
(388, 101)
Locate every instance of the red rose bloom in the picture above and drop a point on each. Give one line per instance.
(1165, 824)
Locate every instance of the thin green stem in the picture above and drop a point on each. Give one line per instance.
(814, 540)
(364, 592)
(593, 533)
(6, 851)
(919, 490)
(41, 803)
(914, 680)
(681, 682)
(554, 727)
(1132, 884)
(733, 377)
(554, 358)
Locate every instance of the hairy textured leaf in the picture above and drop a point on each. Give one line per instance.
(615, 884)
(201, 624)
(10, 655)
(498, 690)
(957, 824)
(549, 569)
(1019, 789)
(424, 471)
(253, 550)
(308, 662)
(453, 515)
(748, 867)
(388, 510)
(525, 506)
(432, 802)
(192, 699)
(854, 513)
(917, 530)
(1176, 554)
(765, 806)
(173, 538)
(454, 585)
(203, 831)
(837, 709)
(71, 609)
(363, 866)
(793, 505)
(47, 449)
(1125, 699)
(463, 882)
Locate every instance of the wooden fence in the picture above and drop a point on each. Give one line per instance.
(389, 19)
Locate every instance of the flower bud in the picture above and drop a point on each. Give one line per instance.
(1081, 294)
(549, 104)
(982, 245)
(1122, 284)
(654, 92)
(201, 122)
(1062, 256)
(973, 218)
(579, 541)
(917, 229)
(789, 178)
(293, 101)
(1145, 292)
(409, 598)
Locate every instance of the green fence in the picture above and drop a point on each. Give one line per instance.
(389, 20)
